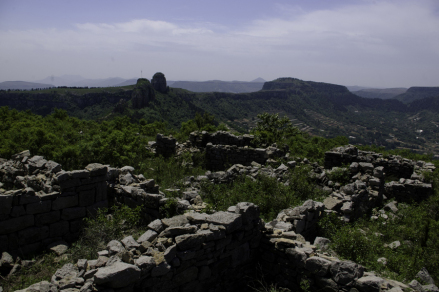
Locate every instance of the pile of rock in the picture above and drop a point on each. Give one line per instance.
(191, 252)
(394, 165)
(46, 204)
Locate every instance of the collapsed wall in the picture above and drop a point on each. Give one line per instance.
(223, 251)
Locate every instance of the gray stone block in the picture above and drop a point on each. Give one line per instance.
(39, 207)
(32, 235)
(47, 218)
(6, 204)
(65, 202)
(87, 198)
(229, 220)
(73, 213)
(58, 229)
(18, 211)
(16, 224)
(117, 275)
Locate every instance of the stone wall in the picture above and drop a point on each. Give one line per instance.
(200, 139)
(394, 165)
(46, 204)
(165, 146)
(224, 251)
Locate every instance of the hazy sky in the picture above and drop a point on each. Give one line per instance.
(351, 42)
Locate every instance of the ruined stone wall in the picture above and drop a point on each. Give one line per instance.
(394, 165)
(224, 251)
(200, 139)
(46, 204)
(218, 157)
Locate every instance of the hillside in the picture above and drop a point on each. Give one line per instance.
(219, 86)
(22, 85)
(417, 93)
(317, 108)
(385, 93)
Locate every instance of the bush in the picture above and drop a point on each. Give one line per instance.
(270, 195)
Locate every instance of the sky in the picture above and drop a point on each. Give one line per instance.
(374, 43)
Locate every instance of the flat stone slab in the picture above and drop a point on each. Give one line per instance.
(117, 275)
(229, 220)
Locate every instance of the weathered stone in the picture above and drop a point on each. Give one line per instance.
(322, 243)
(424, 277)
(175, 231)
(129, 242)
(115, 247)
(117, 275)
(345, 272)
(6, 203)
(188, 241)
(59, 247)
(369, 284)
(58, 229)
(186, 276)
(39, 207)
(33, 234)
(16, 224)
(430, 288)
(156, 225)
(332, 203)
(161, 269)
(175, 221)
(47, 218)
(415, 285)
(229, 220)
(318, 266)
(145, 263)
(73, 213)
(96, 169)
(149, 235)
(65, 202)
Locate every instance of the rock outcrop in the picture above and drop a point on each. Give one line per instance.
(159, 82)
(142, 94)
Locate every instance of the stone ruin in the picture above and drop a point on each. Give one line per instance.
(223, 251)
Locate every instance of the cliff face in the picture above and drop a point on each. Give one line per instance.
(159, 82)
(417, 93)
(44, 103)
(143, 94)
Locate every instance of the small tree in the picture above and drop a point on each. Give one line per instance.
(272, 129)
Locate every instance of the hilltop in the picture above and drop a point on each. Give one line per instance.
(417, 93)
(318, 108)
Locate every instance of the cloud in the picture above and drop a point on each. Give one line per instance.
(372, 35)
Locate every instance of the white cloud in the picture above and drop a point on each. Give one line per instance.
(384, 36)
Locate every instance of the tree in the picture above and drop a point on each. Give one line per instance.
(272, 129)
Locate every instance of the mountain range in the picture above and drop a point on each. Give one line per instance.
(317, 108)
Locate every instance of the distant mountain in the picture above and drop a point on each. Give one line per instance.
(219, 86)
(416, 93)
(64, 80)
(259, 79)
(23, 85)
(356, 88)
(108, 82)
(385, 93)
(127, 82)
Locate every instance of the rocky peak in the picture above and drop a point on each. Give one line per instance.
(159, 82)
(142, 94)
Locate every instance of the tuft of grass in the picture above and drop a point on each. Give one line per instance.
(270, 195)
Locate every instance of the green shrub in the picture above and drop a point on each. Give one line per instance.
(270, 195)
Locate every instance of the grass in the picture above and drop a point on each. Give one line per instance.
(266, 192)
(416, 226)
